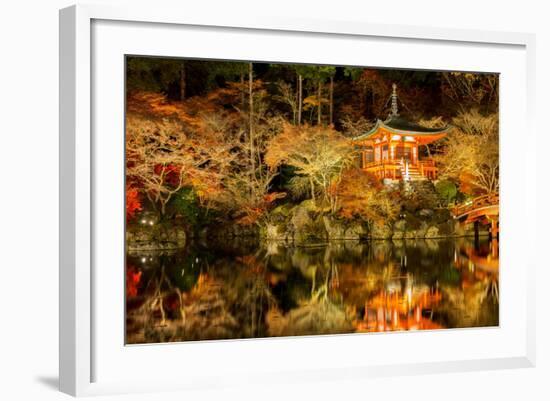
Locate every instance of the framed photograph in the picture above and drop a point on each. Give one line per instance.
(295, 200)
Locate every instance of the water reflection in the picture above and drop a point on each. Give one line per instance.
(247, 289)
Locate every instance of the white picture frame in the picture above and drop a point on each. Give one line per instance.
(79, 150)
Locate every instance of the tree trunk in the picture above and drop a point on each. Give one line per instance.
(319, 100)
(331, 100)
(183, 82)
(251, 121)
(242, 91)
(312, 190)
(299, 99)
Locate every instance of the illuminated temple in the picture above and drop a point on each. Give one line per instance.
(393, 149)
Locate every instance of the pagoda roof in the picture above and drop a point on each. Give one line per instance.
(398, 125)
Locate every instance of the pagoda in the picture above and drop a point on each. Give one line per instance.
(390, 150)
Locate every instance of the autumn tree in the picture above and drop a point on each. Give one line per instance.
(360, 194)
(233, 73)
(224, 131)
(433, 122)
(324, 73)
(245, 193)
(163, 157)
(203, 145)
(467, 90)
(470, 154)
(353, 128)
(302, 72)
(317, 75)
(252, 157)
(133, 202)
(319, 155)
(288, 96)
(248, 182)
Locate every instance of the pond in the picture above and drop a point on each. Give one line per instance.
(249, 289)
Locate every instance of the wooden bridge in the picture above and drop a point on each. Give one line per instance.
(483, 209)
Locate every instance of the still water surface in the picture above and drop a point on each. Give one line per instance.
(245, 289)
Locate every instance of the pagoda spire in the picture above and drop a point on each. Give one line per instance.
(394, 111)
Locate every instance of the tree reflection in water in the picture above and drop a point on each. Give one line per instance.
(250, 290)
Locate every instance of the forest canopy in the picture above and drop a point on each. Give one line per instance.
(229, 140)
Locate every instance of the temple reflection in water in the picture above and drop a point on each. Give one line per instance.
(260, 290)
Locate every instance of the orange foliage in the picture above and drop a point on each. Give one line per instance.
(133, 202)
(231, 94)
(251, 213)
(156, 105)
(199, 143)
(355, 189)
(319, 155)
(164, 156)
(360, 194)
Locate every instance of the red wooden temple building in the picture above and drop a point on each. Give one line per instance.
(392, 149)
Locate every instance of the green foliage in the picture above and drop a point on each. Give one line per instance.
(354, 73)
(446, 190)
(185, 205)
(220, 72)
(164, 74)
(283, 210)
(152, 74)
(228, 69)
(315, 72)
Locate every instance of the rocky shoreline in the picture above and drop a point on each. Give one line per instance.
(157, 237)
(303, 224)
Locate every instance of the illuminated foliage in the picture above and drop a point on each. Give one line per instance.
(133, 202)
(470, 155)
(318, 154)
(361, 195)
(165, 155)
(236, 140)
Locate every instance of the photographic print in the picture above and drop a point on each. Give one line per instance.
(273, 199)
